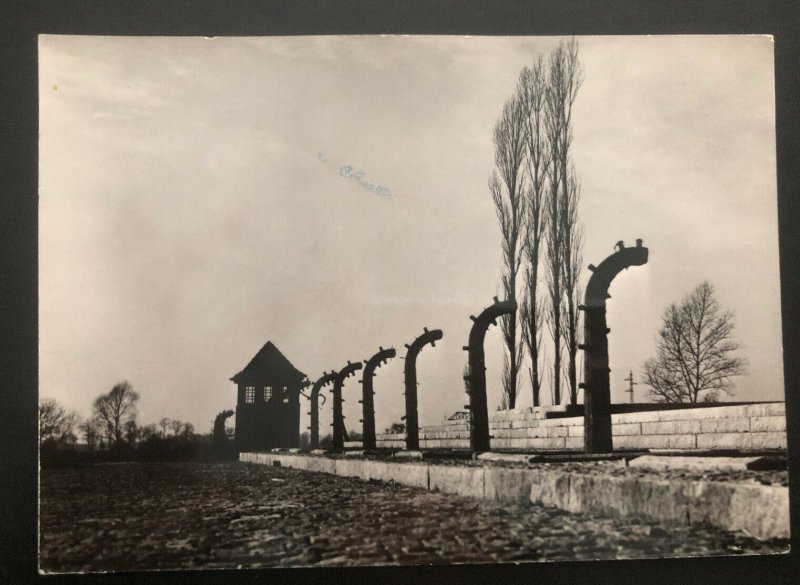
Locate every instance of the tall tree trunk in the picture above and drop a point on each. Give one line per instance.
(506, 191)
(572, 351)
(554, 251)
(565, 77)
(531, 88)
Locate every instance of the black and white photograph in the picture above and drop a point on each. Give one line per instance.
(373, 300)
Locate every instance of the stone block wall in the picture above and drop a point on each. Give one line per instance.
(746, 427)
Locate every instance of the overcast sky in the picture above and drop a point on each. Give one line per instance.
(193, 206)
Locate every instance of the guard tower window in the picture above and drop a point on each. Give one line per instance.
(285, 394)
(267, 393)
(250, 394)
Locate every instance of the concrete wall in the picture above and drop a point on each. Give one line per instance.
(745, 426)
(759, 510)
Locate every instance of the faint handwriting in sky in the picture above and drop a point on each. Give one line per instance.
(351, 172)
(360, 176)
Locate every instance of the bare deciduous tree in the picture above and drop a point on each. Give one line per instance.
(132, 432)
(55, 423)
(116, 408)
(148, 432)
(571, 262)
(506, 187)
(565, 76)
(163, 423)
(91, 430)
(531, 90)
(694, 360)
(176, 426)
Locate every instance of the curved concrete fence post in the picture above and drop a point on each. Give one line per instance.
(596, 387)
(367, 401)
(475, 378)
(412, 421)
(338, 417)
(314, 410)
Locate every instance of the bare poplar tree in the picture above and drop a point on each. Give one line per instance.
(564, 80)
(571, 262)
(506, 187)
(531, 91)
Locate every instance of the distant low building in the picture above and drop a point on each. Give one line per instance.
(459, 415)
(268, 402)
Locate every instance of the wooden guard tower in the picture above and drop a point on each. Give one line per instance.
(268, 403)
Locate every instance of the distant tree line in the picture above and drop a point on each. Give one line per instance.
(112, 433)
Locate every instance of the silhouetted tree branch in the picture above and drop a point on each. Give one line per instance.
(176, 426)
(693, 362)
(132, 432)
(163, 423)
(115, 408)
(55, 423)
(91, 433)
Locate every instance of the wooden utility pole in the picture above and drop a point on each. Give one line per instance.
(631, 385)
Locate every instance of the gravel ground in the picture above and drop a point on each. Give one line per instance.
(134, 516)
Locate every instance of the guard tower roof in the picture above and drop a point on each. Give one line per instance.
(271, 365)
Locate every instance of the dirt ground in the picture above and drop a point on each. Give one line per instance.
(137, 516)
